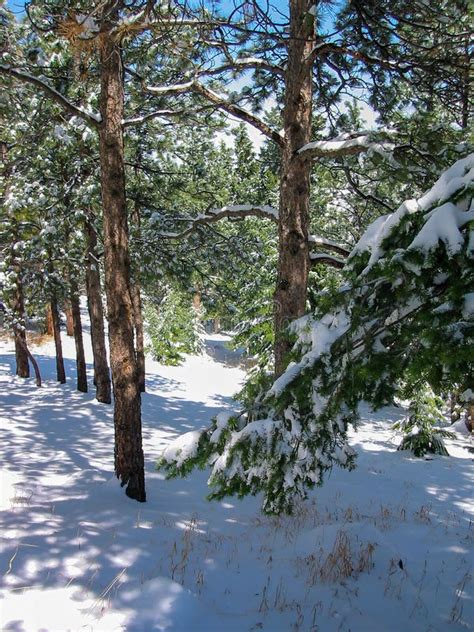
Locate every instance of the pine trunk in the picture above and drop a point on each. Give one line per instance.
(129, 459)
(21, 354)
(138, 312)
(49, 325)
(60, 372)
(139, 333)
(69, 319)
(293, 263)
(96, 315)
(77, 330)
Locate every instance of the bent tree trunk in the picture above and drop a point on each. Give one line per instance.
(60, 372)
(21, 354)
(96, 315)
(77, 330)
(28, 353)
(293, 263)
(129, 459)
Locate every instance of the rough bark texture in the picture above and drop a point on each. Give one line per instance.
(129, 460)
(60, 372)
(21, 354)
(96, 314)
(294, 263)
(77, 330)
(69, 319)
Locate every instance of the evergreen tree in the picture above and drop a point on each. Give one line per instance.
(406, 311)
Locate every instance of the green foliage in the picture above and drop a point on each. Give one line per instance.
(173, 327)
(406, 307)
(421, 435)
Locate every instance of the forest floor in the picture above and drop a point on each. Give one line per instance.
(384, 548)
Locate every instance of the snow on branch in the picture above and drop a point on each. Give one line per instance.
(328, 244)
(215, 215)
(345, 145)
(90, 117)
(265, 212)
(222, 103)
(138, 120)
(245, 63)
(329, 260)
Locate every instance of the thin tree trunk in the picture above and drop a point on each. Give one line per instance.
(470, 416)
(139, 333)
(129, 459)
(77, 329)
(21, 355)
(69, 319)
(49, 326)
(293, 264)
(60, 372)
(96, 314)
(138, 312)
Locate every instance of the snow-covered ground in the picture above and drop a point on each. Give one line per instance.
(387, 547)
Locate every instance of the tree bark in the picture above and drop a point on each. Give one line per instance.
(49, 326)
(21, 354)
(60, 372)
(138, 312)
(129, 459)
(294, 262)
(139, 333)
(77, 330)
(24, 344)
(96, 314)
(69, 319)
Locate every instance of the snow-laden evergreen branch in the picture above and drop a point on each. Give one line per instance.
(414, 270)
(92, 118)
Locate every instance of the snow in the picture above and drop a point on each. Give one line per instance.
(468, 309)
(443, 218)
(385, 547)
(443, 225)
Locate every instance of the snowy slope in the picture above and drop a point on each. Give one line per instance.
(384, 548)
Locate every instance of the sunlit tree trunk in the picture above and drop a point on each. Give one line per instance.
(77, 330)
(129, 459)
(96, 315)
(60, 372)
(293, 263)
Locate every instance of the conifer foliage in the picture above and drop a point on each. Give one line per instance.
(406, 308)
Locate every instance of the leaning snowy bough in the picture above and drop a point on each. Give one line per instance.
(406, 309)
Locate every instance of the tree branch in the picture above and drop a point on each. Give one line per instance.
(344, 145)
(90, 117)
(329, 260)
(222, 103)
